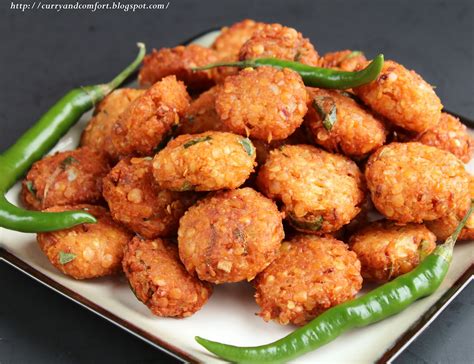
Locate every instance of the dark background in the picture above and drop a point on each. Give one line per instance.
(43, 54)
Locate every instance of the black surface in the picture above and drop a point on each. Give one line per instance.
(43, 54)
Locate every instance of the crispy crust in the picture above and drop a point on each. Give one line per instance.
(412, 182)
(230, 236)
(356, 133)
(97, 134)
(97, 248)
(136, 200)
(150, 118)
(204, 162)
(310, 275)
(232, 38)
(201, 115)
(280, 108)
(320, 191)
(450, 135)
(345, 60)
(65, 178)
(387, 250)
(403, 97)
(159, 280)
(178, 61)
(445, 226)
(278, 41)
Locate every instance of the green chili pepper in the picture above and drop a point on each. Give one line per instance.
(37, 141)
(314, 76)
(384, 301)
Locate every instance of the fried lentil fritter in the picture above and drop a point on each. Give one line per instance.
(310, 275)
(450, 135)
(65, 178)
(356, 131)
(178, 61)
(87, 250)
(413, 182)
(159, 280)
(387, 250)
(97, 134)
(201, 115)
(204, 162)
(321, 192)
(403, 97)
(279, 110)
(278, 41)
(136, 200)
(150, 118)
(230, 236)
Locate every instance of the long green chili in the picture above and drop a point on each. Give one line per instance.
(37, 141)
(384, 301)
(314, 76)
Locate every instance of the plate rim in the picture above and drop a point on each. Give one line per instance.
(403, 341)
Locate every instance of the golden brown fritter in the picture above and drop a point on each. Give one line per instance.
(321, 192)
(356, 131)
(403, 97)
(278, 41)
(387, 250)
(232, 38)
(97, 134)
(204, 162)
(230, 236)
(412, 182)
(450, 135)
(445, 226)
(201, 115)
(137, 201)
(345, 60)
(87, 250)
(65, 178)
(178, 61)
(310, 275)
(150, 118)
(263, 103)
(159, 280)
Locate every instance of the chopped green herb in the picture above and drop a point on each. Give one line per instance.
(31, 188)
(148, 158)
(187, 186)
(65, 258)
(354, 54)
(248, 146)
(310, 225)
(68, 161)
(297, 56)
(191, 142)
(326, 108)
(239, 235)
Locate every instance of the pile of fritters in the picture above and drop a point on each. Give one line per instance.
(225, 175)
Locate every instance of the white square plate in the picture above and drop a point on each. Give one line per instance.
(229, 316)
